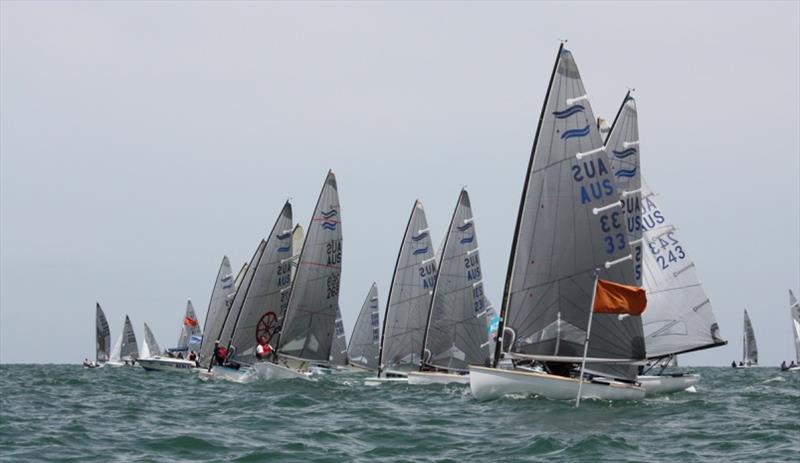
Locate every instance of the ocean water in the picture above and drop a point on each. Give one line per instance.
(68, 413)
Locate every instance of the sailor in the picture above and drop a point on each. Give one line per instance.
(733, 364)
(783, 366)
(220, 352)
(263, 350)
(792, 365)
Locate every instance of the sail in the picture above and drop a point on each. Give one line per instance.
(409, 300)
(569, 224)
(267, 293)
(190, 335)
(622, 149)
(150, 347)
(102, 336)
(339, 348)
(749, 347)
(366, 337)
(794, 308)
(226, 335)
(298, 236)
(129, 349)
(240, 276)
(679, 316)
(116, 351)
(218, 306)
(457, 332)
(309, 327)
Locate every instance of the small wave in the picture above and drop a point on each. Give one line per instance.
(776, 379)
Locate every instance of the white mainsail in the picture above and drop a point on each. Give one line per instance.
(218, 307)
(408, 305)
(457, 333)
(150, 347)
(749, 347)
(366, 337)
(794, 310)
(308, 329)
(102, 336)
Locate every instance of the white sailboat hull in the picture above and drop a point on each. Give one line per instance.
(272, 371)
(492, 383)
(418, 378)
(166, 364)
(655, 385)
(797, 368)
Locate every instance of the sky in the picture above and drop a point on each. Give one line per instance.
(139, 142)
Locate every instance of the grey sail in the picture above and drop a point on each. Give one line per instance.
(298, 236)
(408, 306)
(226, 334)
(266, 294)
(218, 306)
(622, 148)
(190, 335)
(794, 309)
(129, 349)
(240, 276)
(457, 333)
(749, 347)
(569, 224)
(102, 336)
(679, 317)
(366, 337)
(308, 331)
(339, 348)
(150, 347)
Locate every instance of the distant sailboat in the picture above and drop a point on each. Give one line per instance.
(126, 351)
(151, 358)
(150, 347)
(794, 312)
(102, 339)
(218, 307)
(308, 330)
(408, 305)
(362, 352)
(190, 335)
(569, 233)
(749, 347)
(457, 334)
(338, 356)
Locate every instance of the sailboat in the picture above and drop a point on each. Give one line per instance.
(125, 352)
(338, 356)
(190, 335)
(218, 307)
(569, 234)
(362, 352)
(308, 330)
(456, 335)
(409, 302)
(794, 312)
(188, 340)
(749, 346)
(259, 305)
(150, 347)
(102, 340)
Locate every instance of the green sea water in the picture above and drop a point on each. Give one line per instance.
(68, 413)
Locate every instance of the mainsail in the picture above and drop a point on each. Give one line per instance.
(298, 236)
(569, 224)
(339, 348)
(679, 316)
(226, 334)
(102, 336)
(218, 306)
(749, 347)
(150, 347)
(366, 337)
(408, 306)
(128, 349)
(457, 331)
(240, 277)
(266, 293)
(794, 309)
(190, 335)
(308, 330)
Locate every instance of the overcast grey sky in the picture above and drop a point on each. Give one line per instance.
(142, 141)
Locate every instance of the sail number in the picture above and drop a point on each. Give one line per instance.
(667, 250)
(333, 285)
(334, 250)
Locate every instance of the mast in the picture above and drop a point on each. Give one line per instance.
(510, 272)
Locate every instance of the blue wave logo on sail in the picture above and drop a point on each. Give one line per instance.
(329, 225)
(195, 339)
(283, 236)
(624, 153)
(569, 111)
(329, 214)
(421, 236)
(468, 239)
(465, 227)
(627, 173)
(421, 251)
(284, 249)
(575, 133)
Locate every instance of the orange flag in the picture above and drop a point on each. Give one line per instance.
(620, 299)
(189, 321)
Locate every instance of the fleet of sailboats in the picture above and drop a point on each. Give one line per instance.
(586, 222)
